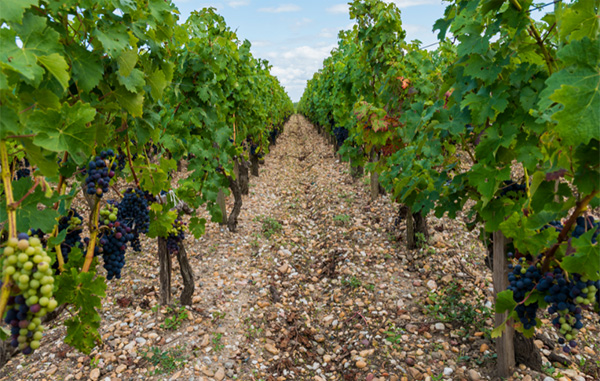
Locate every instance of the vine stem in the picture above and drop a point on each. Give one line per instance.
(16, 204)
(581, 206)
(89, 256)
(137, 183)
(536, 36)
(12, 220)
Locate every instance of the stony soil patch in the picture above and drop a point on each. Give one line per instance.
(314, 286)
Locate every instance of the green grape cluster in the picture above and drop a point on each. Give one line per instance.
(28, 265)
(108, 214)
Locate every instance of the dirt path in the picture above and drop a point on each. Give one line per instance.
(313, 286)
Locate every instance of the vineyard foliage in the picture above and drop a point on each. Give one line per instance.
(506, 99)
(87, 85)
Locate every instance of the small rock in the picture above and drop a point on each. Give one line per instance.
(412, 328)
(548, 379)
(527, 378)
(220, 375)
(440, 326)
(473, 375)
(229, 364)
(121, 368)
(410, 361)
(484, 347)
(319, 338)
(327, 358)
(283, 269)
(94, 374)
(271, 349)
(448, 371)
(415, 374)
(431, 284)
(140, 340)
(360, 364)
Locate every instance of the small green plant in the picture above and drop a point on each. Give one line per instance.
(343, 218)
(270, 226)
(353, 282)
(449, 305)
(177, 316)
(217, 315)
(370, 287)
(421, 240)
(394, 334)
(216, 340)
(94, 362)
(165, 361)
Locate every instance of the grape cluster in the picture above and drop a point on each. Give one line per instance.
(176, 235)
(341, 134)
(512, 189)
(134, 213)
(584, 224)
(23, 172)
(72, 223)
(113, 242)
(28, 265)
(522, 281)
(99, 173)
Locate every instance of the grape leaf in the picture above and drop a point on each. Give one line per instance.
(586, 259)
(58, 67)
(12, 11)
(505, 302)
(65, 129)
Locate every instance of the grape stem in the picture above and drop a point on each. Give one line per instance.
(89, 256)
(15, 205)
(7, 283)
(581, 206)
(137, 183)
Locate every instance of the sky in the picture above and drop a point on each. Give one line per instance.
(295, 36)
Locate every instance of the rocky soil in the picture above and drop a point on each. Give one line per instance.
(315, 285)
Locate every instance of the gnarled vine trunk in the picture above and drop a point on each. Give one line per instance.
(242, 175)
(416, 227)
(165, 268)
(187, 274)
(232, 222)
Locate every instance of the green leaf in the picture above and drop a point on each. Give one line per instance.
(161, 223)
(576, 88)
(114, 38)
(44, 160)
(127, 61)
(58, 67)
(87, 68)
(36, 38)
(60, 238)
(134, 82)
(578, 20)
(197, 226)
(65, 129)
(505, 302)
(29, 214)
(157, 82)
(497, 332)
(12, 11)
(586, 259)
(132, 102)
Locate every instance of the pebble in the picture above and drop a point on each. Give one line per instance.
(271, 349)
(548, 379)
(94, 374)
(220, 375)
(484, 347)
(440, 326)
(448, 371)
(473, 375)
(431, 284)
(360, 364)
(140, 340)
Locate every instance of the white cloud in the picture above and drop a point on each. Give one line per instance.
(238, 3)
(412, 3)
(339, 9)
(281, 9)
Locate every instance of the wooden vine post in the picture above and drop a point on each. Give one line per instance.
(374, 179)
(504, 344)
(223, 206)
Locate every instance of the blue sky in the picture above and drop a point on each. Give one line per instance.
(295, 36)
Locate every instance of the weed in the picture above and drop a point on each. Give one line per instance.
(94, 362)
(166, 361)
(178, 315)
(353, 282)
(394, 334)
(449, 306)
(270, 226)
(370, 287)
(343, 218)
(218, 315)
(216, 340)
